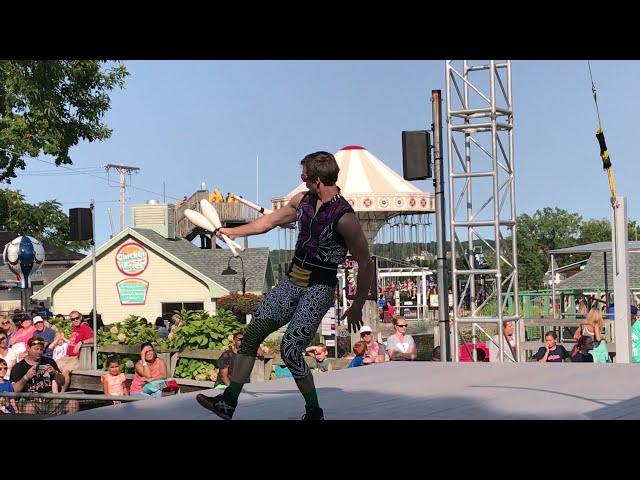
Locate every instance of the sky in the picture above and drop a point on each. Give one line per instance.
(187, 122)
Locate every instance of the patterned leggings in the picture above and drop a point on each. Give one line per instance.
(301, 307)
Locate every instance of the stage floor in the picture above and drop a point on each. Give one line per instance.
(422, 391)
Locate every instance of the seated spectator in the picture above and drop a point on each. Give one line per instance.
(162, 330)
(47, 333)
(400, 345)
(584, 344)
(7, 405)
(359, 350)
(58, 347)
(149, 369)
(7, 327)
(39, 374)
(592, 326)
(389, 313)
(481, 355)
(319, 353)
(174, 323)
(551, 352)
(7, 355)
(435, 356)
(43, 311)
(225, 362)
(375, 351)
(24, 332)
(510, 341)
(114, 382)
(81, 334)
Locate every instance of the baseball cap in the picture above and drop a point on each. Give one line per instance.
(37, 319)
(365, 328)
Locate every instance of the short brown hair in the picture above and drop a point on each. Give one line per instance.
(359, 348)
(322, 165)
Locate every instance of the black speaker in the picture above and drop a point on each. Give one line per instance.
(80, 224)
(416, 155)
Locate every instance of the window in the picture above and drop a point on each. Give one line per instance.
(169, 308)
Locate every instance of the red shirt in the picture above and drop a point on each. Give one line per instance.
(79, 334)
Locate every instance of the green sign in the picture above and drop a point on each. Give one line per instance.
(132, 291)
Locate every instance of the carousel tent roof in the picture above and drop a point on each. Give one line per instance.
(361, 172)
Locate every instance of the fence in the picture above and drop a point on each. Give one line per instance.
(52, 404)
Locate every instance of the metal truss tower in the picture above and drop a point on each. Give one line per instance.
(482, 208)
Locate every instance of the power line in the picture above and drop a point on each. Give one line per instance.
(92, 175)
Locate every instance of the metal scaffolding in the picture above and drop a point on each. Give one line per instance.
(483, 239)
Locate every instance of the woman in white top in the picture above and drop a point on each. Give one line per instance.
(8, 354)
(592, 326)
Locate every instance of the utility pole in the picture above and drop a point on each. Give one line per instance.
(438, 183)
(122, 169)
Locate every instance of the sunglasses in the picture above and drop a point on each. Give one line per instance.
(36, 342)
(76, 318)
(365, 334)
(6, 322)
(401, 326)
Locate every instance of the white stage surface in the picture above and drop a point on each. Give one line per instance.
(422, 391)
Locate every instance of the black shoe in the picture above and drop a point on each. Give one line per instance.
(218, 405)
(313, 413)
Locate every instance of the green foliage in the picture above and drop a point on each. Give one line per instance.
(240, 304)
(201, 370)
(199, 330)
(130, 332)
(127, 362)
(44, 221)
(48, 106)
(273, 344)
(553, 228)
(63, 326)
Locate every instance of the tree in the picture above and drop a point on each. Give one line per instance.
(44, 221)
(50, 105)
(547, 229)
(593, 231)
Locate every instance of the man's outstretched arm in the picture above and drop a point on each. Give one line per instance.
(281, 216)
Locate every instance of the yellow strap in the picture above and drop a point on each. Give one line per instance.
(612, 183)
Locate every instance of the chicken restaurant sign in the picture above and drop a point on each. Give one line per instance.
(132, 259)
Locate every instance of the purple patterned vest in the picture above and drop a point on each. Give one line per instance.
(320, 248)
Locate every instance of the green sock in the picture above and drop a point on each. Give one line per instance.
(234, 391)
(311, 398)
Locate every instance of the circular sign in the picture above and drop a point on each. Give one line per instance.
(132, 259)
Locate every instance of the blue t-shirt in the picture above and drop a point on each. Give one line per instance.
(49, 335)
(382, 302)
(356, 362)
(6, 386)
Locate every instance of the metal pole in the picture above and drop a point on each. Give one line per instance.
(622, 301)
(606, 283)
(93, 263)
(553, 287)
(438, 183)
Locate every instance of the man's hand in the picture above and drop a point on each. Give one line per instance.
(354, 317)
(225, 231)
(76, 347)
(143, 353)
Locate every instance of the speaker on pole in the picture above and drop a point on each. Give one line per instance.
(416, 155)
(80, 224)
